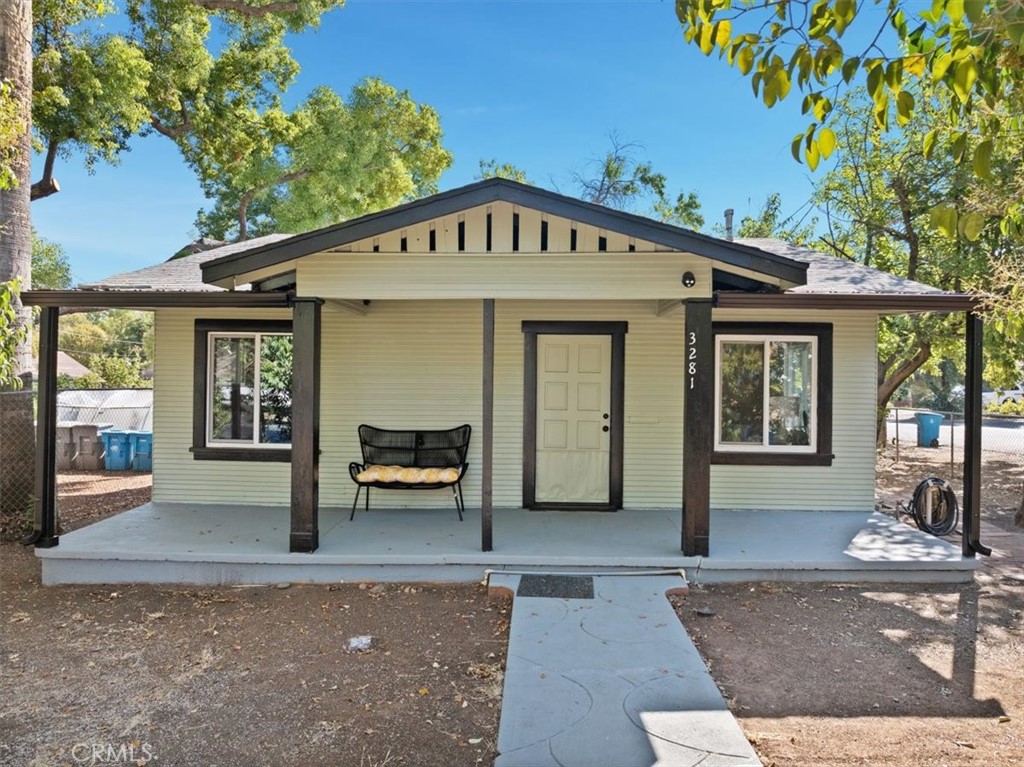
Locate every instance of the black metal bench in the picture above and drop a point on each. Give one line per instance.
(414, 459)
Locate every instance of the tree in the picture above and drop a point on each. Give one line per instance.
(768, 222)
(491, 169)
(51, 269)
(971, 50)
(334, 159)
(15, 228)
(880, 202)
(89, 88)
(210, 75)
(619, 179)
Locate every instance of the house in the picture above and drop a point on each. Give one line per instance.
(605, 361)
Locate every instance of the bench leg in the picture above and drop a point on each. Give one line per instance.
(367, 498)
(459, 503)
(359, 489)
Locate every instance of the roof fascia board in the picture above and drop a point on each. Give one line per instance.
(489, 191)
(878, 302)
(155, 299)
(358, 229)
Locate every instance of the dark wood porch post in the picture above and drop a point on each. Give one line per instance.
(487, 469)
(305, 526)
(970, 543)
(44, 534)
(698, 410)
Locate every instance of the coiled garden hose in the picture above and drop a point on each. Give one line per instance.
(934, 507)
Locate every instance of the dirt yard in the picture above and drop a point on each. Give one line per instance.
(1001, 489)
(881, 675)
(819, 676)
(247, 676)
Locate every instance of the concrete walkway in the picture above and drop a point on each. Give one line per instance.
(601, 673)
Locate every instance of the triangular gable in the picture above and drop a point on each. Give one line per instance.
(473, 196)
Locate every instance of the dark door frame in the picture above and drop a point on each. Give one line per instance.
(617, 331)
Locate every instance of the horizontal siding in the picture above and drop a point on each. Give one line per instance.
(501, 275)
(652, 470)
(176, 476)
(849, 483)
(413, 364)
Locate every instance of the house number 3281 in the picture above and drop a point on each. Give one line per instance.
(691, 365)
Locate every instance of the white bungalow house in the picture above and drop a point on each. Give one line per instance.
(605, 362)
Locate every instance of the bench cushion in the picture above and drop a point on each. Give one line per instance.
(407, 475)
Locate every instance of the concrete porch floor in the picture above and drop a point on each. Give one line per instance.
(230, 544)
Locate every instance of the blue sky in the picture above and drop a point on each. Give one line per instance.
(538, 84)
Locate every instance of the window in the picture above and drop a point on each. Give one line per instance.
(773, 394)
(243, 381)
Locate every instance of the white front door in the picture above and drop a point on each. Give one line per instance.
(573, 419)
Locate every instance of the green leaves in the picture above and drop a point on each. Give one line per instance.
(983, 159)
(971, 49)
(13, 335)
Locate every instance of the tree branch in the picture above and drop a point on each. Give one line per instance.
(244, 9)
(47, 185)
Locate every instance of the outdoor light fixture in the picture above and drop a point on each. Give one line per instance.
(689, 280)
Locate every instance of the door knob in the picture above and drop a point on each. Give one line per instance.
(604, 428)
(605, 416)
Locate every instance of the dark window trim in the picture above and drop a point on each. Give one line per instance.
(823, 456)
(200, 356)
(617, 331)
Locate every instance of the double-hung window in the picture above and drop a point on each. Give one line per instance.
(773, 393)
(243, 403)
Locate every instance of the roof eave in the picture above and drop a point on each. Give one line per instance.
(494, 190)
(154, 299)
(889, 303)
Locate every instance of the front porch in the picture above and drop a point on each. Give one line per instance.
(236, 544)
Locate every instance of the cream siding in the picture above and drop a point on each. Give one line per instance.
(176, 476)
(849, 483)
(588, 275)
(417, 363)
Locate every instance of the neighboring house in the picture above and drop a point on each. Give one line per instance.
(604, 361)
(66, 366)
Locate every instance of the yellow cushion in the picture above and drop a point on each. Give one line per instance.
(407, 475)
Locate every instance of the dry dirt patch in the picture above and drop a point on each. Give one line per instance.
(914, 676)
(248, 675)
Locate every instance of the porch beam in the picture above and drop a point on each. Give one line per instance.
(305, 525)
(487, 430)
(668, 306)
(698, 414)
(358, 308)
(44, 534)
(971, 543)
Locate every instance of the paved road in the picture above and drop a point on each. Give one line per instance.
(998, 435)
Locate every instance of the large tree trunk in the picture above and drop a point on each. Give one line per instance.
(891, 374)
(15, 226)
(17, 436)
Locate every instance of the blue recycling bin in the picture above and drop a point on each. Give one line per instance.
(117, 449)
(141, 450)
(928, 429)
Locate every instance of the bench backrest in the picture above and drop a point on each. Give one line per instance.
(420, 448)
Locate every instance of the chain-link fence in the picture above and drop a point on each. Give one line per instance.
(931, 443)
(104, 455)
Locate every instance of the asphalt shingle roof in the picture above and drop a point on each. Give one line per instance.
(825, 275)
(832, 275)
(180, 274)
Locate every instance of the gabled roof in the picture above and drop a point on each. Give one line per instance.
(494, 190)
